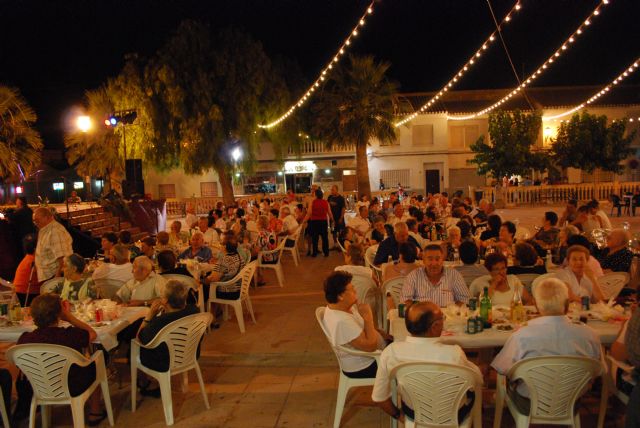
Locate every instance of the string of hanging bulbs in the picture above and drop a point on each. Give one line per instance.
(325, 71)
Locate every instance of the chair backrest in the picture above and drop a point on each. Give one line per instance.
(539, 279)
(527, 279)
(341, 247)
(320, 319)
(393, 286)
(364, 285)
(477, 285)
(436, 390)
(611, 283)
(182, 338)
(47, 368)
(49, 285)
(277, 251)
(107, 287)
(554, 384)
(370, 255)
(189, 281)
(245, 275)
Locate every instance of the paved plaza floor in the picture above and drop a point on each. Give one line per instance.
(282, 372)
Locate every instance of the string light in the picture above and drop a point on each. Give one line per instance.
(626, 73)
(563, 48)
(321, 78)
(470, 62)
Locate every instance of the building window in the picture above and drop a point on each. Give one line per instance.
(391, 177)
(422, 135)
(209, 189)
(464, 136)
(166, 191)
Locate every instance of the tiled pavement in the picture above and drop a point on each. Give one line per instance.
(281, 372)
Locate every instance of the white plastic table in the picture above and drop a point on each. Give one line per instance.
(107, 333)
(492, 338)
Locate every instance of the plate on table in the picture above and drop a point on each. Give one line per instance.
(503, 327)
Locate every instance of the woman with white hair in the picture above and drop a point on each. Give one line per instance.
(454, 239)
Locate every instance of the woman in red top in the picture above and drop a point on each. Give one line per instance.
(318, 225)
(26, 278)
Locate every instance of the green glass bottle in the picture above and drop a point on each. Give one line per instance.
(485, 307)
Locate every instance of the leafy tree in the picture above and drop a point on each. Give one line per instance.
(355, 106)
(509, 151)
(207, 96)
(20, 143)
(97, 152)
(587, 142)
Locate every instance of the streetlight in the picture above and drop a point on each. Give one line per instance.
(236, 154)
(84, 123)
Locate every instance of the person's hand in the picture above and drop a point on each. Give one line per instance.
(65, 313)
(156, 307)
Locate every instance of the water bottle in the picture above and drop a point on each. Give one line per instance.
(549, 260)
(456, 256)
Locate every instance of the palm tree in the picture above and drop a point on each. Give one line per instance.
(20, 143)
(356, 106)
(96, 153)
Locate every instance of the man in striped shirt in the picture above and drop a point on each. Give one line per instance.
(435, 283)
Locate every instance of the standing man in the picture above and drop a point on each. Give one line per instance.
(338, 207)
(54, 243)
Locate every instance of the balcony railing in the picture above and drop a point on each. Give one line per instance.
(310, 147)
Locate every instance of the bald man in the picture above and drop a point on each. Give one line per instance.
(616, 257)
(54, 243)
(145, 287)
(424, 322)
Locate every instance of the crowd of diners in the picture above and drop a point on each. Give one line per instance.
(413, 238)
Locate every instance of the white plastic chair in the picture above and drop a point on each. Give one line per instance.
(527, 279)
(3, 411)
(242, 281)
(611, 283)
(49, 285)
(437, 391)
(369, 257)
(554, 384)
(344, 250)
(47, 368)
(539, 279)
(295, 254)
(182, 338)
(394, 287)
(107, 287)
(277, 266)
(190, 282)
(345, 383)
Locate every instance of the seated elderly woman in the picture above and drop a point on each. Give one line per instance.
(454, 239)
(75, 286)
(526, 260)
(163, 243)
(167, 264)
(560, 253)
(47, 312)
(177, 237)
(350, 324)
(501, 286)
(579, 276)
(347, 237)
(197, 249)
(405, 264)
(226, 267)
(171, 307)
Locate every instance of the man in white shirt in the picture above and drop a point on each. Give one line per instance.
(424, 323)
(360, 223)
(145, 287)
(210, 235)
(54, 243)
(120, 269)
(398, 215)
(192, 219)
(219, 222)
(550, 334)
(289, 226)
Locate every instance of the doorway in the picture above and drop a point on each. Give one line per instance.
(432, 177)
(300, 183)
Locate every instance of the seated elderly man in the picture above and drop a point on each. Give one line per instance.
(171, 307)
(389, 247)
(210, 235)
(616, 257)
(398, 216)
(547, 236)
(550, 334)
(145, 287)
(350, 323)
(197, 249)
(435, 283)
(424, 323)
(360, 223)
(119, 269)
(289, 226)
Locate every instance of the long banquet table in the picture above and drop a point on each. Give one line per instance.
(107, 332)
(492, 338)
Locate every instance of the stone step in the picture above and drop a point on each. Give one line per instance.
(81, 212)
(90, 225)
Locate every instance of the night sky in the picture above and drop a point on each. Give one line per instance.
(55, 50)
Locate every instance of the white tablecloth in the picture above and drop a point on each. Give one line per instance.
(107, 334)
(491, 338)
